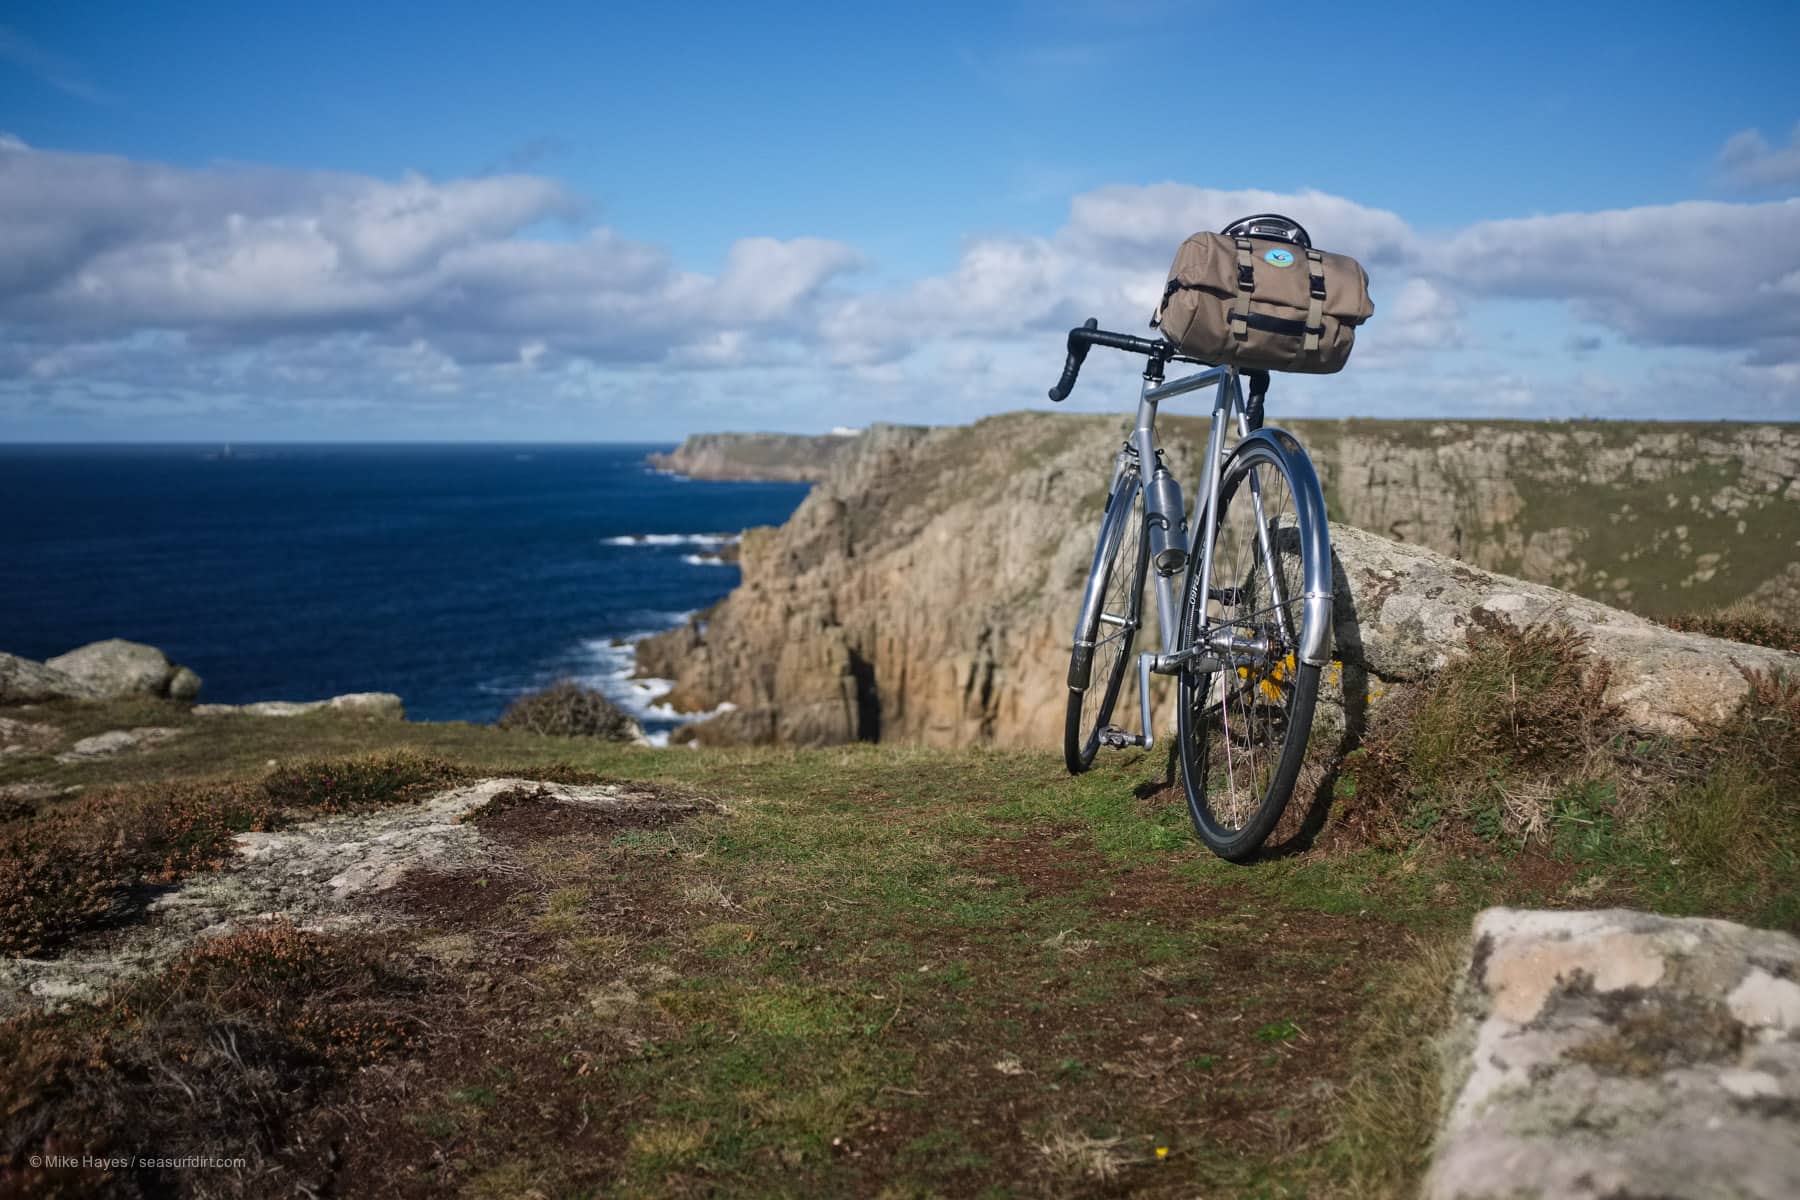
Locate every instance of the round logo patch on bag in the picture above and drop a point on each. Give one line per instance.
(1279, 257)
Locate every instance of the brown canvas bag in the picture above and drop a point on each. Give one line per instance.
(1260, 303)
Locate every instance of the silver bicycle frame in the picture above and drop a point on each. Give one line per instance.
(1314, 637)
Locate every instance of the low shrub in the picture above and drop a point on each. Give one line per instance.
(1735, 808)
(49, 892)
(89, 863)
(226, 1054)
(1494, 738)
(86, 863)
(333, 785)
(566, 709)
(1741, 622)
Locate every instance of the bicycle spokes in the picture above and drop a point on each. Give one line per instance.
(1252, 630)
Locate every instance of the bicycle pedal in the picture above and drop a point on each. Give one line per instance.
(1114, 738)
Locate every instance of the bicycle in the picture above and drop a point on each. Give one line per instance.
(1254, 626)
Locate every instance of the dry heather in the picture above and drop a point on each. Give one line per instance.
(566, 709)
(1514, 743)
(1489, 739)
(224, 1056)
(97, 860)
(1742, 622)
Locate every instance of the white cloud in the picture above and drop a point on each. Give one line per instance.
(123, 279)
(1420, 315)
(1701, 273)
(101, 245)
(765, 279)
(1141, 226)
(1747, 160)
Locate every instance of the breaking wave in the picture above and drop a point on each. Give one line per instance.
(672, 539)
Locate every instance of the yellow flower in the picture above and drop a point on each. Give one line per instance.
(1162, 1152)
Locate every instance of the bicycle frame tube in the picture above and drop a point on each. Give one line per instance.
(1228, 400)
(1143, 439)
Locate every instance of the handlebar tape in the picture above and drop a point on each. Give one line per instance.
(1078, 348)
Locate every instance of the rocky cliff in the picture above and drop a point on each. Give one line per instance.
(772, 456)
(925, 590)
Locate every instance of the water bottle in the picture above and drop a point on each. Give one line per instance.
(1167, 521)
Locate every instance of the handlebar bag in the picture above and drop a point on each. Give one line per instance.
(1264, 304)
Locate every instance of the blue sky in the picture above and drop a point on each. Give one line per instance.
(601, 221)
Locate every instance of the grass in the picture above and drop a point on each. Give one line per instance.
(1741, 622)
(869, 970)
(1513, 746)
(1489, 740)
(1386, 1114)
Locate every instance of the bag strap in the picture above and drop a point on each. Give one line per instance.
(1175, 285)
(1315, 305)
(1246, 286)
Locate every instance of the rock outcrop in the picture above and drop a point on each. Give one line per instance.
(318, 874)
(779, 457)
(116, 741)
(1617, 1053)
(926, 588)
(26, 737)
(1403, 611)
(377, 706)
(116, 667)
(23, 681)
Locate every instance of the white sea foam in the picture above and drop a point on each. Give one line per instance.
(607, 666)
(672, 539)
(704, 560)
(611, 664)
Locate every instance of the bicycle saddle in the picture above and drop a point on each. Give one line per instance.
(1270, 225)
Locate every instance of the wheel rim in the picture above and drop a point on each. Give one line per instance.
(1240, 716)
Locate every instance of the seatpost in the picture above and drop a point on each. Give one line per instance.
(1253, 408)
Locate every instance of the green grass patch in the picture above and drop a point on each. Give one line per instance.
(898, 970)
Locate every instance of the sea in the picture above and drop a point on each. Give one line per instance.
(458, 576)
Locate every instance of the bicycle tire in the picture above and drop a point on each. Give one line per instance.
(1235, 712)
(1122, 525)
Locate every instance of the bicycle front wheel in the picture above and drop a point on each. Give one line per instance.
(1102, 652)
(1243, 724)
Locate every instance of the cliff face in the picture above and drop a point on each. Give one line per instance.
(773, 456)
(916, 594)
(926, 589)
(1656, 518)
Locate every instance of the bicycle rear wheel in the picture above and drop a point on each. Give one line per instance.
(1102, 652)
(1243, 726)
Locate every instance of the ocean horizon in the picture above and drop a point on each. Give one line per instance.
(455, 574)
